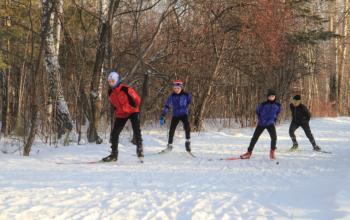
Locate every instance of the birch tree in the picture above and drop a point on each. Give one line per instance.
(57, 106)
(343, 83)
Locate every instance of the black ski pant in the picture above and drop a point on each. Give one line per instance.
(119, 124)
(306, 127)
(258, 131)
(174, 122)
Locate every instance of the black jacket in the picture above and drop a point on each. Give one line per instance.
(300, 114)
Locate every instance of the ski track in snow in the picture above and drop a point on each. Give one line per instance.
(305, 184)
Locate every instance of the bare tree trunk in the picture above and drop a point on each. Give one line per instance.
(19, 127)
(34, 72)
(4, 99)
(34, 123)
(6, 126)
(4, 88)
(145, 88)
(343, 58)
(107, 12)
(199, 115)
(52, 66)
(334, 71)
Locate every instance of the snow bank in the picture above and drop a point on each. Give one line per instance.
(305, 184)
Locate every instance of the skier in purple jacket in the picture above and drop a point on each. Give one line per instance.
(179, 101)
(267, 116)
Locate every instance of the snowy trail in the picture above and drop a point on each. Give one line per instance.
(305, 185)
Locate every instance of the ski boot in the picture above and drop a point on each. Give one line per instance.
(99, 140)
(188, 145)
(139, 152)
(273, 154)
(167, 149)
(112, 157)
(294, 147)
(316, 148)
(247, 155)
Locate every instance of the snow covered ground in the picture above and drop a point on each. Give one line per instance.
(305, 184)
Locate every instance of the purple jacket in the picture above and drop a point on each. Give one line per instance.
(179, 102)
(268, 112)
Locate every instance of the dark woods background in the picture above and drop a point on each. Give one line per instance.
(55, 56)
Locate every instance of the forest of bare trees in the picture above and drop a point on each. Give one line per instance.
(55, 56)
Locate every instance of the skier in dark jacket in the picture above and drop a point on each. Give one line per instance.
(300, 118)
(267, 116)
(126, 103)
(179, 101)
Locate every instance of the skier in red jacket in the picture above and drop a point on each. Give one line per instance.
(126, 103)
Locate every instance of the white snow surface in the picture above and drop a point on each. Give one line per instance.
(304, 185)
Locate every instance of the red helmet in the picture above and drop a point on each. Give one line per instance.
(178, 83)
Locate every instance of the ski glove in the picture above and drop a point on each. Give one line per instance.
(162, 121)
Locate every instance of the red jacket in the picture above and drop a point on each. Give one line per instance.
(125, 101)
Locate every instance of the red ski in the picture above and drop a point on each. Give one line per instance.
(226, 158)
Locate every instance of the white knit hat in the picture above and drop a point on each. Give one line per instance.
(114, 76)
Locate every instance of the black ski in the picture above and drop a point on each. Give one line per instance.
(320, 151)
(83, 162)
(323, 151)
(191, 154)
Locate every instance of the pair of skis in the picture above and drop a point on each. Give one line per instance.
(239, 158)
(319, 151)
(140, 160)
(93, 162)
(190, 153)
(166, 150)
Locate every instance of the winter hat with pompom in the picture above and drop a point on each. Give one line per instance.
(178, 83)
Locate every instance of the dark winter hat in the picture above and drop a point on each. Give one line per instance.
(271, 92)
(297, 97)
